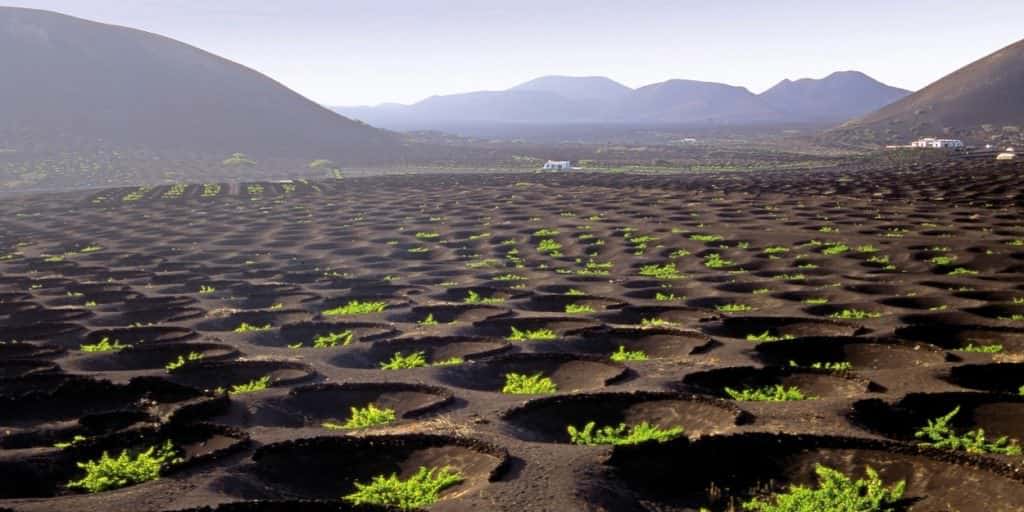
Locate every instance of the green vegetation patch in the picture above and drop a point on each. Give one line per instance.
(836, 492)
(622, 434)
(420, 490)
(104, 345)
(108, 472)
(939, 434)
(364, 417)
(775, 393)
(357, 307)
(622, 355)
(532, 335)
(521, 384)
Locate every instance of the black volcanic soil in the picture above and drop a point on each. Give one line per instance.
(893, 270)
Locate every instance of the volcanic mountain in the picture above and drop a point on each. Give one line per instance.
(836, 98)
(73, 84)
(982, 100)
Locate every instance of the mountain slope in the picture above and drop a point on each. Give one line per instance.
(838, 97)
(975, 101)
(689, 101)
(72, 83)
(581, 88)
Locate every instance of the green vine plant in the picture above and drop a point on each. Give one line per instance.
(182, 360)
(365, 417)
(622, 434)
(836, 492)
(939, 434)
(775, 393)
(108, 472)
(622, 355)
(420, 490)
(536, 384)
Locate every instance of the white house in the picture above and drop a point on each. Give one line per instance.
(1009, 154)
(557, 165)
(931, 142)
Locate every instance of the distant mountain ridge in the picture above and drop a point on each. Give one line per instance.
(73, 83)
(982, 101)
(569, 100)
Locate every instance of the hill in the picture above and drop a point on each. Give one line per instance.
(71, 83)
(836, 98)
(980, 102)
(693, 102)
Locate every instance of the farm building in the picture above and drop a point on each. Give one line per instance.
(931, 142)
(557, 165)
(1009, 154)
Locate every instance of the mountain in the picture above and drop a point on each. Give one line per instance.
(564, 100)
(72, 83)
(838, 97)
(980, 101)
(689, 101)
(580, 88)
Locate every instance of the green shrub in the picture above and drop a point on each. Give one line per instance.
(104, 345)
(550, 247)
(714, 260)
(252, 386)
(333, 339)
(109, 472)
(429, 320)
(475, 298)
(420, 490)
(982, 349)
(776, 393)
(578, 308)
(427, 235)
(940, 434)
(366, 417)
(855, 314)
(532, 335)
(834, 249)
(400, 362)
(356, 307)
(768, 337)
(706, 238)
(666, 271)
(836, 492)
(622, 434)
(536, 384)
(182, 360)
(246, 327)
(734, 308)
(623, 355)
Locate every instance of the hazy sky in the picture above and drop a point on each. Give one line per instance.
(355, 52)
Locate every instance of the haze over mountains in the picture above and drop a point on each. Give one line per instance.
(983, 100)
(567, 100)
(73, 83)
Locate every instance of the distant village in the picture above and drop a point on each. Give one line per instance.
(957, 145)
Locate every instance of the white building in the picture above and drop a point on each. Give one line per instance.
(557, 165)
(1009, 154)
(931, 142)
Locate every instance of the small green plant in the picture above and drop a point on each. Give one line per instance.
(767, 336)
(834, 249)
(666, 271)
(854, 314)
(365, 417)
(247, 327)
(816, 301)
(573, 292)
(252, 386)
(836, 492)
(532, 335)
(714, 260)
(357, 307)
(182, 360)
(420, 490)
(451, 361)
(77, 439)
(775, 249)
(333, 339)
(939, 434)
(622, 355)
(963, 271)
(521, 384)
(734, 308)
(400, 362)
(706, 238)
(578, 309)
(475, 298)
(838, 366)
(206, 290)
(429, 320)
(622, 434)
(550, 247)
(427, 235)
(666, 297)
(108, 472)
(982, 349)
(775, 393)
(104, 345)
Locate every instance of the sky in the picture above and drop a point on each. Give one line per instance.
(366, 52)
